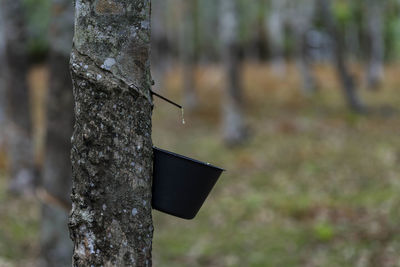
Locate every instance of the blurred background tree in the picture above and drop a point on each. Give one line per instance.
(56, 178)
(18, 125)
(277, 92)
(234, 130)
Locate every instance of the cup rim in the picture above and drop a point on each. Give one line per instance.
(187, 158)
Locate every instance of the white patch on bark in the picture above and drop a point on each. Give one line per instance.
(134, 212)
(90, 241)
(80, 250)
(108, 63)
(145, 24)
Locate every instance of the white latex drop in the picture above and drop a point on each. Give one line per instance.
(183, 117)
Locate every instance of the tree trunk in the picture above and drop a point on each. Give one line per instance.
(3, 81)
(19, 124)
(160, 48)
(111, 221)
(275, 21)
(347, 81)
(189, 58)
(56, 246)
(300, 15)
(377, 45)
(233, 122)
(304, 63)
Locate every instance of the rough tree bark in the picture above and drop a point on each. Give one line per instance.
(346, 79)
(56, 246)
(189, 58)
(18, 115)
(233, 123)
(111, 221)
(375, 30)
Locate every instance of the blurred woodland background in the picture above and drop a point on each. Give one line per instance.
(298, 100)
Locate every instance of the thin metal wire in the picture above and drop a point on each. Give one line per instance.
(166, 99)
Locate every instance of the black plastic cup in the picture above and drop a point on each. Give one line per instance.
(181, 184)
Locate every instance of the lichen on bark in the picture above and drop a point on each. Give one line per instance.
(110, 222)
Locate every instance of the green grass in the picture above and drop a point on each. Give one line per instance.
(19, 226)
(322, 196)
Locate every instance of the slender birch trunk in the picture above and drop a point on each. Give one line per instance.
(161, 50)
(346, 79)
(300, 14)
(233, 122)
(188, 48)
(111, 222)
(304, 63)
(274, 23)
(375, 30)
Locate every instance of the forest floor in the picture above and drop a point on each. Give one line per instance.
(315, 185)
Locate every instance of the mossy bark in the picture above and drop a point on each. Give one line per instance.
(111, 222)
